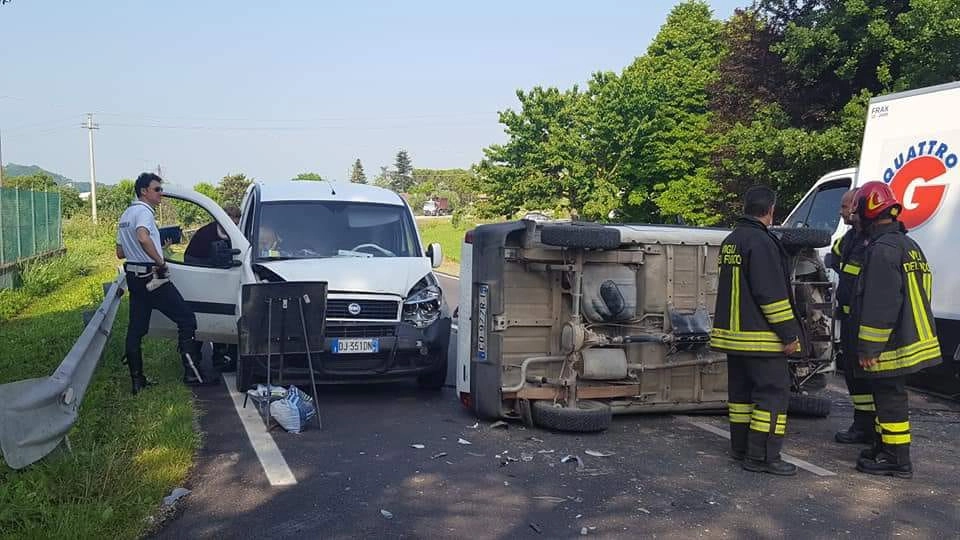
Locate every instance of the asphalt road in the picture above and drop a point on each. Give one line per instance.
(666, 476)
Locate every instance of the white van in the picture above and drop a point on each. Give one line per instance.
(386, 317)
(911, 141)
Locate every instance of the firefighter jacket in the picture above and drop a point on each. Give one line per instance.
(891, 307)
(846, 258)
(755, 313)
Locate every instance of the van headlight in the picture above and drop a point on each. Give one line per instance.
(422, 306)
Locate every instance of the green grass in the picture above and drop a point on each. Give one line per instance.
(128, 452)
(450, 237)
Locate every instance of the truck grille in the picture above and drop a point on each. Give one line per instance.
(335, 331)
(382, 310)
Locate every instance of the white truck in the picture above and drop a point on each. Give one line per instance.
(912, 142)
(386, 317)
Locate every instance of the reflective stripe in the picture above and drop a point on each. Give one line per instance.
(760, 421)
(740, 407)
(897, 427)
(919, 311)
(928, 286)
(862, 398)
(735, 300)
(739, 418)
(775, 307)
(876, 335)
(846, 309)
(782, 317)
(764, 336)
(851, 269)
(908, 356)
(863, 402)
(742, 346)
(781, 427)
(763, 341)
(836, 246)
(762, 415)
(895, 439)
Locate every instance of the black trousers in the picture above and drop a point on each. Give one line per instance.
(167, 300)
(759, 393)
(893, 415)
(861, 392)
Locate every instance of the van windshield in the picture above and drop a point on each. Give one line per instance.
(322, 229)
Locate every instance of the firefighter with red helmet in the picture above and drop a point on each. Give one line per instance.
(846, 258)
(896, 335)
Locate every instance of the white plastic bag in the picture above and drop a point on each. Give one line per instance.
(294, 410)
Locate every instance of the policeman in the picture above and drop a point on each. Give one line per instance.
(895, 327)
(755, 323)
(138, 241)
(846, 258)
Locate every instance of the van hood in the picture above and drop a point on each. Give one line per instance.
(377, 275)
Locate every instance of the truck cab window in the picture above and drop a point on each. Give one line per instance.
(821, 209)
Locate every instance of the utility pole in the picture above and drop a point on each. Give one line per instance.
(90, 126)
(1, 158)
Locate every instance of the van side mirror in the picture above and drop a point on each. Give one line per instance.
(435, 252)
(222, 254)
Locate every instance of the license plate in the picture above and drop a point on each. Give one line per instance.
(356, 346)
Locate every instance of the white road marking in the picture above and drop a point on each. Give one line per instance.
(450, 276)
(786, 457)
(275, 467)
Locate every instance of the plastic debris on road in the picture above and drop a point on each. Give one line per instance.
(597, 453)
(175, 496)
(387, 514)
(464, 441)
(417, 446)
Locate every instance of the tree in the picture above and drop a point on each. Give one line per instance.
(208, 189)
(33, 182)
(113, 200)
(309, 176)
(357, 175)
(70, 201)
(403, 173)
(384, 179)
(233, 187)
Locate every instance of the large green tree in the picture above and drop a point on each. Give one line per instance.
(403, 172)
(233, 187)
(357, 176)
(309, 176)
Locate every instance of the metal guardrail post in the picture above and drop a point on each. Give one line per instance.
(37, 414)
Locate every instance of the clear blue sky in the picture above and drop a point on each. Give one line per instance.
(207, 88)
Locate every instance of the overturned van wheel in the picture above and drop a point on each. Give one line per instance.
(586, 417)
(806, 405)
(580, 235)
(802, 237)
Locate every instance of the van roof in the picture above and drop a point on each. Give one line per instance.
(307, 190)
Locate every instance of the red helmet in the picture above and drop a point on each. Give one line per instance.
(876, 200)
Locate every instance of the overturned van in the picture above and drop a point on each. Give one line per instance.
(570, 323)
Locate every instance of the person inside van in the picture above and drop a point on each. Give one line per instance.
(200, 249)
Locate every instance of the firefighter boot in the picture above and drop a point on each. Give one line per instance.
(860, 432)
(763, 455)
(876, 443)
(138, 380)
(893, 460)
(738, 441)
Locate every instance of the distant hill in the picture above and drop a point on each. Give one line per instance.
(12, 169)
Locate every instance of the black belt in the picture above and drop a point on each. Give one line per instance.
(138, 267)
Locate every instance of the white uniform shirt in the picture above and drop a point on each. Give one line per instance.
(139, 214)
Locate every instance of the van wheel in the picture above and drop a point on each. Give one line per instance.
(802, 237)
(580, 235)
(588, 416)
(806, 405)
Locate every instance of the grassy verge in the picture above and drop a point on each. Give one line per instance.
(127, 452)
(450, 237)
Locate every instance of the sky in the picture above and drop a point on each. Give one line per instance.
(272, 89)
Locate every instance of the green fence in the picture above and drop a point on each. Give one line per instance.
(29, 224)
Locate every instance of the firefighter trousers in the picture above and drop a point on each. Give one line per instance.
(861, 393)
(759, 392)
(893, 416)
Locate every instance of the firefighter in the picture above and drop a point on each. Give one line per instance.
(755, 323)
(895, 326)
(846, 258)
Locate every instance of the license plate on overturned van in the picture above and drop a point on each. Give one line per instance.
(356, 346)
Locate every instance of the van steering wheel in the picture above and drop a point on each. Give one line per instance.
(386, 252)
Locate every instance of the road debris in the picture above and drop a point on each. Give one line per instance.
(463, 441)
(474, 454)
(569, 458)
(175, 496)
(438, 456)
(597, 453)
(534, 439)
(386, 513)
(583, 531)
(417, 446)
(545, 451)
(550, 498)
(475, 426)
(499, 424)
(526, 457)
(537, 528)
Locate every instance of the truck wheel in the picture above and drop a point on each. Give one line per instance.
(435, 379)
(802, 237)
(806, 405)
(580, 235)
(586, 417)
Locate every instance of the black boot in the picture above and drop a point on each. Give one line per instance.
(893, 460)
(191, 358)
(763, 455)
(138, 380)
(738, 441)
(860, 432)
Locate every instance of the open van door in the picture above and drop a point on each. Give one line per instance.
(820, 207)
(210, 286)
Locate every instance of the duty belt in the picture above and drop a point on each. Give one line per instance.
(139, 268)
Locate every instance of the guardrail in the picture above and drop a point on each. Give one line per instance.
(37, 414)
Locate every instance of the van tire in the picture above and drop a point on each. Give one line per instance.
(580, 235)
(588, 416)
(807, 405)
(802, 237)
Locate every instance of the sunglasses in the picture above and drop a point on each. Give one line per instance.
(157, 189)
